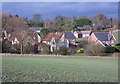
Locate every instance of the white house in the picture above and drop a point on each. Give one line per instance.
(56, 40)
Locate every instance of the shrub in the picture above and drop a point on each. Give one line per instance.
(118, 44)
(94, 50)
(118, 48)
(28, 49)
(80, 50)
(72, 49)
(15, 49)
(35, 49)
(82, 44)
(63, 50)
(43, 48)
(110, 49)
(6, 46)
(55, 52)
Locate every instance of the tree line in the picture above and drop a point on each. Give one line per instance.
(14, 23)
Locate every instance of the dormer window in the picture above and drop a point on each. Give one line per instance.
(112, 41)
(73, 39)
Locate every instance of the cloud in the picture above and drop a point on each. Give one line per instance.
(51, 9)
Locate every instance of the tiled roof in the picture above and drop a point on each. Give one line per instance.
(69, 35)
(50, 35)
(103, 36)
(83, 32)
(23, 34)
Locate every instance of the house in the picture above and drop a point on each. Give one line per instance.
(109, 26)
(70, 37)
(56, 40)
(103, 38)
(27, 37)
(15, 41)
(15, 38)
(4, 34)
(84, 28)
(82, 34)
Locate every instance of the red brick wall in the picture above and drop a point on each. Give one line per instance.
(70, 40)
(112, 43)
(92, 38)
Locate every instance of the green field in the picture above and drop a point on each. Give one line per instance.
(59, 69)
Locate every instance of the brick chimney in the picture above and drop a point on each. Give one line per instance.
(110, 32)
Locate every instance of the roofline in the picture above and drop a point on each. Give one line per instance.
(101, 43)
(91, 35)
(53, 36)
(113, 37)
(102, 32)
(60, 36)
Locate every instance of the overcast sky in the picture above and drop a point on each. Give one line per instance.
(52, 9)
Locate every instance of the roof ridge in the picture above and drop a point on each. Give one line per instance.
(100, 32)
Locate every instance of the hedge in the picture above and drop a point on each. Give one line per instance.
(110, 49)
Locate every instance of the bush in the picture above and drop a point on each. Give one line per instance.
(55, 52)
(118, 44)
(28, 49)
(80, 50)
(44, 49)
(63, 50)
(72, 49)
(110, 49)
(15, 49)
(82, 44)
(118, 48)
(6, 46)
(95, 50)
(35, 49)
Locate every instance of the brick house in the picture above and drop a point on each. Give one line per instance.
(103, 38)
(82, 34)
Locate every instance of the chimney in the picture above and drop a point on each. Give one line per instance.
(110, 32)
(72, 31)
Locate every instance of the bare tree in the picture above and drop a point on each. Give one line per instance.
(95, 50)
(37, 18)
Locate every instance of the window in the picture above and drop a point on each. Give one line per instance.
(87, 34)
(112, 41)
(73, 39)
(84, 35)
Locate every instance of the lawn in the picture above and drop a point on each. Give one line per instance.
(81, 39)
(59, 69)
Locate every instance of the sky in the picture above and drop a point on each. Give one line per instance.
(52, 9)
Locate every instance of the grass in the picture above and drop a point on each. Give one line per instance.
(58, 69)
(81, 39)
(117, 36)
